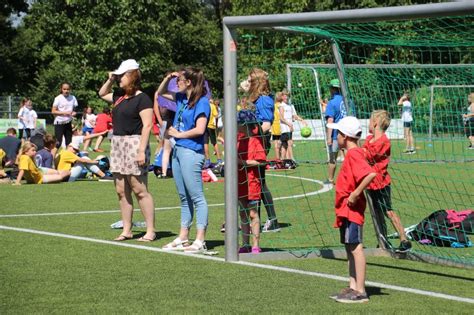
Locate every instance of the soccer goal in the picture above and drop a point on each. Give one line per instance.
(378, 55)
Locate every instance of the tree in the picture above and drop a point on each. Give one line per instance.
(7, 34)
(80, 41)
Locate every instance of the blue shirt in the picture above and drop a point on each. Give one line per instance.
(336, 110)
(265, 108)
(185, 119)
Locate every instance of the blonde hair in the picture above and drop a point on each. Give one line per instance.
(279, 97)
(382, 117)
(259, 84)
(25, 148)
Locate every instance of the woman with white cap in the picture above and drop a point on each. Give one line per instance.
(130, 154)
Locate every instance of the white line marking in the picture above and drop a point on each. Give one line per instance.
(245, 263)
(324, 189)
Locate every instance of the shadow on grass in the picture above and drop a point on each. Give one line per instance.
(210, 244)
(374, 291)
(433, 273)
(159, 235)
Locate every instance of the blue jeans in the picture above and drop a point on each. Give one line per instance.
(187, 167)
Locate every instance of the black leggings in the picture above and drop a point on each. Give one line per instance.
(266, 197)
(27, 131)
(63, 130)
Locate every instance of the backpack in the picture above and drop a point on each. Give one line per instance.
(438, 230)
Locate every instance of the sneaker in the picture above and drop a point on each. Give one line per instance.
(405, 246)
(106, 178)
(223, 228)
(344, 291)
(207, 164)
(245, 250)
(353, 297)
(271, 226)
(256, 250)
(162, 176)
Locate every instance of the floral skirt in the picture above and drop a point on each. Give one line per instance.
(123, 154)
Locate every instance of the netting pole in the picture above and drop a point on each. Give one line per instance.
(430, 136)
(230, 145)
(318, 90)
(288, 80)
(340, 74)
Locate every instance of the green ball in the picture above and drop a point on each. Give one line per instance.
(305, 132)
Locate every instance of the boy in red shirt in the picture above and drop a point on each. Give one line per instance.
(355, 175)
(377, 152)
(251, 155)
(103, 123)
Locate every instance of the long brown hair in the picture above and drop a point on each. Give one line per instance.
(259, 84)
(24, 101)
(135, 77)
(196, 76)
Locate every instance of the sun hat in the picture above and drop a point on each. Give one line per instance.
(127, 65)
(350, 126)
(245, 117)
(334, 83)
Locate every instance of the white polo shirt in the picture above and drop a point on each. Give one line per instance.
(64, 104)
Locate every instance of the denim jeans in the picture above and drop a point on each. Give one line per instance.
(187, 167)
(76, 170)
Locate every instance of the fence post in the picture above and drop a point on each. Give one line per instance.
(9, 106)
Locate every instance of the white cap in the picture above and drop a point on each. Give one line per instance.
(127, 65)
(350, 126)
(74, 145)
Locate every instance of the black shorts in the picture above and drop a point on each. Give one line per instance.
(276, 137)
(350, 232)
(286, 136)
(210, 134)
(381, 199)
(470, 128)
(407, 124)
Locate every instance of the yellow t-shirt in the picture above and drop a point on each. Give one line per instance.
(276, 128)
(32, 173)
(66, 160)
(212, 116)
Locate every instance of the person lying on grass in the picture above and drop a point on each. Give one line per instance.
(33, 174)
(68, 160)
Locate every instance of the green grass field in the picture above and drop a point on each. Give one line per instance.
(52, 274)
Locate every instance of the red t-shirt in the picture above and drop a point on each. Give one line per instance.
(377, 154)
(249, 176)
(103, 122)
(353, 170)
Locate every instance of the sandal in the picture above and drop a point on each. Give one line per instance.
(122, 238)
(176, 244)
(146, 239)
(196, 247)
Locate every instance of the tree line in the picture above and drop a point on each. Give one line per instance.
(79, 41)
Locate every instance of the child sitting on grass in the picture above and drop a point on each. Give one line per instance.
(355, 175)
(69, 160)
(44, 157)
(33, 174)
(377, 151)
(251, 155)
